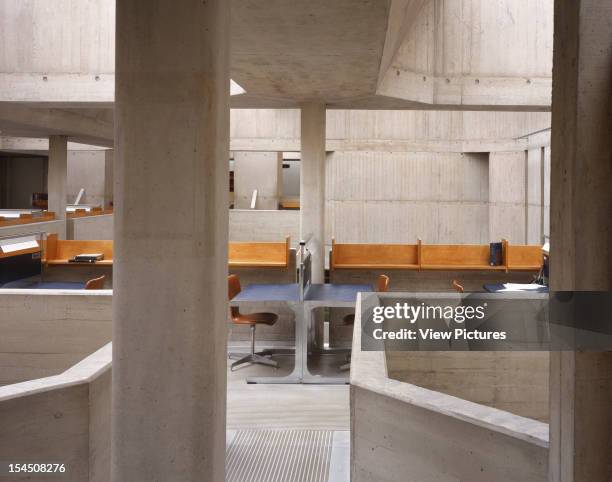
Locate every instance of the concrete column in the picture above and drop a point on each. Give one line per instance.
(312, 185)
(57, 175)
(581, 232)
(261, 171)
(171, 224)
(109, 159)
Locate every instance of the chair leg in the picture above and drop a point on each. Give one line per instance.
(254, 358)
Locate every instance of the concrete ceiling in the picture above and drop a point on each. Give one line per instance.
(300, 50)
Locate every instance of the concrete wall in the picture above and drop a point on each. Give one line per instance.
(261, 171)
(392, 440)
(58, 227)
(507, 196)
(61, 419)
(400, 431)
(87, 169)
(379, 197)
(258, 225)
(20, 177)
(516, 382)
(91, 227)
(45, 332)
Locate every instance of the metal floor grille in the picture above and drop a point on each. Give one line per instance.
(279, 456)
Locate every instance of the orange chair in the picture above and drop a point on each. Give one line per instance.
(95, 283)
(382, 285)
(251, 319)
(457, 286)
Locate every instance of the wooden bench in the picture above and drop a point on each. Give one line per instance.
(374, 256)
(58, 252)
(431, 257)
(27, 219)
(259, 254)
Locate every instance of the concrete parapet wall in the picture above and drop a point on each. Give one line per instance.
(44, 332)
(58, 227)
(400, 431)
(516, 382)
(61, 419)
(90, 227)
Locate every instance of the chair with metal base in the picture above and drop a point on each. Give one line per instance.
(251, 319)
(382, 285)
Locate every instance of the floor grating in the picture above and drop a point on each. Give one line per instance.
(279, 456)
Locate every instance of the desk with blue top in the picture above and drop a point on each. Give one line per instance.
(303, 302)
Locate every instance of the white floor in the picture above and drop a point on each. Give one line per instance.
(304, 426)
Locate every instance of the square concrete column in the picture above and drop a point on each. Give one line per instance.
(581, 232)
(171, 224)
(109, 160)
(261, 171)
(57, 175)
(312, 185)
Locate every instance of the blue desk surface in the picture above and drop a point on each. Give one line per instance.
(291, 292)
(269, 292)
(45, 285)
(499, 288)
(335, 292)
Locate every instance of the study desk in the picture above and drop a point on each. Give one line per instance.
(44, 285)
(315, 296)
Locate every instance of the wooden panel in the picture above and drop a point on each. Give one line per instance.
(448, 256)
(82, 213)
(524, 257)
(363, 256)
(68, 249)
(259, 254)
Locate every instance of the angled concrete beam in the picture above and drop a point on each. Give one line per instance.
(89, 126)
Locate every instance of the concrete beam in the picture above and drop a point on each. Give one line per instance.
(39, 146)
(78, 125)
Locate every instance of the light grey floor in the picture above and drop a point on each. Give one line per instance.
(287, 432)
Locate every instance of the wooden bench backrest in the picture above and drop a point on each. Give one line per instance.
(524, 256)
(455, 254)
(259, 254)
(384, 255)
(69, 248)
